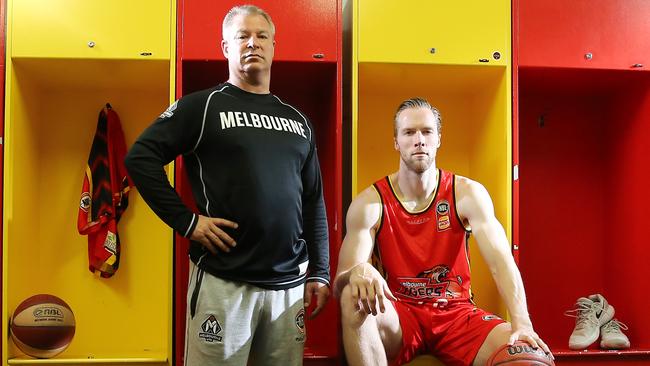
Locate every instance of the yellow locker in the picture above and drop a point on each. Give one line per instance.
(54, 91)
(440, 32)
(115, 29)
(392, 61)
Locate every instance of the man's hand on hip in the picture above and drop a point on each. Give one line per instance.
(208, 232)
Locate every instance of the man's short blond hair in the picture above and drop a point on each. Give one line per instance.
(417, 103)
(245, 10)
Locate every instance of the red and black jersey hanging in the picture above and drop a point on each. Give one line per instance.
(104, 196)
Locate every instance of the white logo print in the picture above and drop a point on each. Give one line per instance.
(210, 330)
(170, 111)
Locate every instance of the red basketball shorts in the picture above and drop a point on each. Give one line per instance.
(453, 333)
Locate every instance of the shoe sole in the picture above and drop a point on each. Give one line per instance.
(587, 343)
(618, 344)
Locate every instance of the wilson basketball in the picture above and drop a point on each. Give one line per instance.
(519, 354)
(42, 326)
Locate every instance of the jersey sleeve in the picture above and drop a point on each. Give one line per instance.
(175, 132)
(315, 219)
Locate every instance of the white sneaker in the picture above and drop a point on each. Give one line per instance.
(612, 337)
(591, 313)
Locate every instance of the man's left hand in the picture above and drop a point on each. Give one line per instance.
(322, 293)
(527, 334)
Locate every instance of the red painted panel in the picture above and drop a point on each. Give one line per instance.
(320, 100)
(584, 142)
(562, 208)
(602, 360)
(558, 33)
(303, 28)
(628, 282)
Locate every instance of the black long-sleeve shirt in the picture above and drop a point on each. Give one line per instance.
(251, 159)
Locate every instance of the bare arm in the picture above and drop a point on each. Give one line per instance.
(353, 268)
(361, 222)
(475, 205)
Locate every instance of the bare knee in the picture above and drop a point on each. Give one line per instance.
(352, 315)
(349, 305)
(499, 336)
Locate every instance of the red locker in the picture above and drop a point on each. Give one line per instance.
(306, 73)
(581, 141)
(306, 29)
(599, 34)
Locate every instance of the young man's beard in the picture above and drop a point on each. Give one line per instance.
(418, 166)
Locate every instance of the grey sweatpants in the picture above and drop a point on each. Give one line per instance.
(238, 324)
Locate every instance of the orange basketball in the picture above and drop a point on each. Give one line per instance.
(42, 326)
(519, 354)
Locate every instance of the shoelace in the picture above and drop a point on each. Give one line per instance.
(585, 313)
(613, 326)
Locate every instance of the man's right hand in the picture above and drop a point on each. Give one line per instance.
(369, 287)
(208, 232)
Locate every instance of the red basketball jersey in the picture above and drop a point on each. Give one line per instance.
(424, 255)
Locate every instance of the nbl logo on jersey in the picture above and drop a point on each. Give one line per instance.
(442, 215)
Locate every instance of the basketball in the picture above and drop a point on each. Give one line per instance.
(42, 326)
(519, 354)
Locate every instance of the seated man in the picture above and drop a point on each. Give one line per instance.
(415, 225)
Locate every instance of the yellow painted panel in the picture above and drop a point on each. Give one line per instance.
(490, 163)
(49, 129)
(474, 103)
(461, 32)
(118, 28)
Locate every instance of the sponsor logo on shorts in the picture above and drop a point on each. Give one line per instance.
(442, 215)
(300, 324)
(210, 330)
(170, 111)
(84, 205)
(490, 317)
(437, 282)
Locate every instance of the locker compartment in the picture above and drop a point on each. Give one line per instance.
(52, 109)
(306, 73)
(582, 205)
(474, 104)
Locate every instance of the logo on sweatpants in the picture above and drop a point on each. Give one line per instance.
(210, 330)
(300, 324)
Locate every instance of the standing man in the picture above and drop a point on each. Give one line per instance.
(261, 230)
(415, 223)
